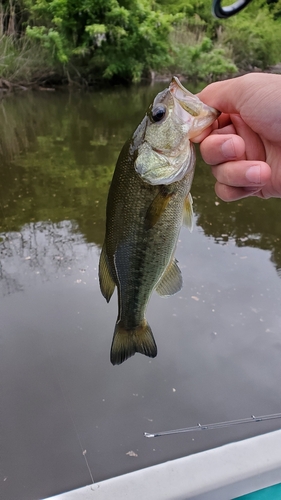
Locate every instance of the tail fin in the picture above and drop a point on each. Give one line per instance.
(126, 343)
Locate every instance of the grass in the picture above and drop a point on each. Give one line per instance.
(23, 61)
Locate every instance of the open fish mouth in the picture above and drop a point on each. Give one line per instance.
(203, 115)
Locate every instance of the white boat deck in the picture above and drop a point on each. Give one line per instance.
(222, 473)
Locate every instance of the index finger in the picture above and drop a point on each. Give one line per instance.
(223, 121)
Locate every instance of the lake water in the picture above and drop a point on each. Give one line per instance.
(68, 417)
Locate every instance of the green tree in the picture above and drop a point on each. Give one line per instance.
(106, 38)
(255, 39)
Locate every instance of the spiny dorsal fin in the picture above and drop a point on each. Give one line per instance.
(171, 281)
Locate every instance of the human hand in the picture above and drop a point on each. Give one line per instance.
(244, 144)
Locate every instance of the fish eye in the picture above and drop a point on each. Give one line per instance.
(158, 113)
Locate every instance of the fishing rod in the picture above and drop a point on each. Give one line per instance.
(228, 11)
(218, 425)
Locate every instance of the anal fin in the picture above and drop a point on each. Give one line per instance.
(107, 284)
(171, 281)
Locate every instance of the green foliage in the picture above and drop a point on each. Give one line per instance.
(131, 50)
(196, 56)
(122, 40)
(275, 8)
(51, 40)
(109, 38)
(255, 42)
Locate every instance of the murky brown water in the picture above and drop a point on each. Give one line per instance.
(66, 413)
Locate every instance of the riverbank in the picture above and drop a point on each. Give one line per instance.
(7, 87)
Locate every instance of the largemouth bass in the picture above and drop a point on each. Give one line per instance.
(147, 203)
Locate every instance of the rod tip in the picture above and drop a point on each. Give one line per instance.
(148, 435)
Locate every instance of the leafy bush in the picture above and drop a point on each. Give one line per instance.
(196, 56)
(111, 38)
(255, 41)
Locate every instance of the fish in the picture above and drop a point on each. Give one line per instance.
(148, 201)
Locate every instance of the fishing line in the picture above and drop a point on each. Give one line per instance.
(218, 425)
(67, 404)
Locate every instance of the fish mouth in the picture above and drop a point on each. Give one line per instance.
(202, 114)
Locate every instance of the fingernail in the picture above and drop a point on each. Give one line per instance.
(228, 149)
(253, 174)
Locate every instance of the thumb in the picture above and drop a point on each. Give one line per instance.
(223, 96)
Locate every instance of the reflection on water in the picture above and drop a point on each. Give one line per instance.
(58, 154)
(250, 222)
(40, 250)
(218, 339)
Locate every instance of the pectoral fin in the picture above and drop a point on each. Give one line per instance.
(188, 212)
(107, 284)
(171, 281)
(157, 207)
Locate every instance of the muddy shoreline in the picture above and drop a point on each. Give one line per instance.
(8, 87)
